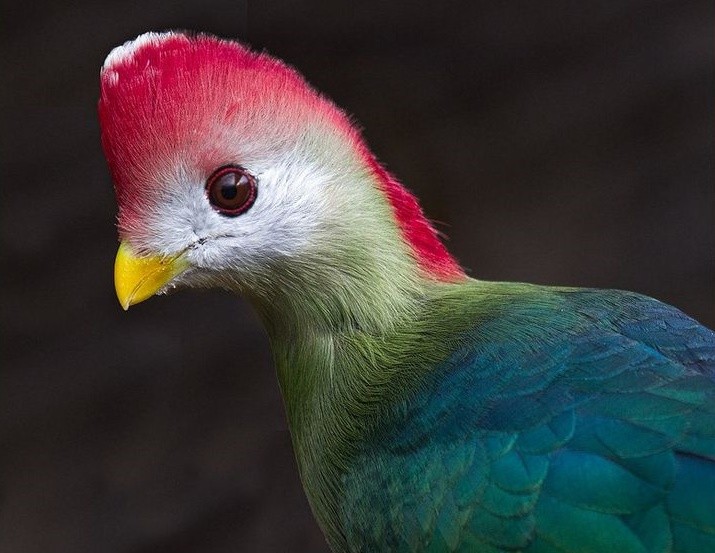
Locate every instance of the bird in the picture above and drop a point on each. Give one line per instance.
(428, 410)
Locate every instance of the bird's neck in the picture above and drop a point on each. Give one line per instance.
(344, 349)
(353, 322)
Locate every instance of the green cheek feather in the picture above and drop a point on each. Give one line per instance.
(429, 412)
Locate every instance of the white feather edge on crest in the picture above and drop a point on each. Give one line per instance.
(125, 51)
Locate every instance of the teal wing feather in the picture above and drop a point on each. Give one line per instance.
(591, 432)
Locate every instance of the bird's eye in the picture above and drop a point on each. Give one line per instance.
(231, 190)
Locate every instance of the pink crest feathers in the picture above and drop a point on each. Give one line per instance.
(162, 90)
(166, 96)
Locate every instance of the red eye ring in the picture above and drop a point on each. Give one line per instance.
(231, 190)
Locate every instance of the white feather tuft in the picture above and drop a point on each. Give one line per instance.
(127, 50)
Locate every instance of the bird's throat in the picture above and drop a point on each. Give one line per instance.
(336, 382)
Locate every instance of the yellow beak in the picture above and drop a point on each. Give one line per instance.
(137, 278)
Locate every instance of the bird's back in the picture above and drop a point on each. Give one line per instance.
(568, 421)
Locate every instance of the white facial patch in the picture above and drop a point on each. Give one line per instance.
(295, 210)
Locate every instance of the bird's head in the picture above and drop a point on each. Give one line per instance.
(231, 171)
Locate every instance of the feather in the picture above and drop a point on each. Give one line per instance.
(603, 457)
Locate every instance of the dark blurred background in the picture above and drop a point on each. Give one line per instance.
(555, 142)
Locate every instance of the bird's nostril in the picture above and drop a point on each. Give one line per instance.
(196, 243)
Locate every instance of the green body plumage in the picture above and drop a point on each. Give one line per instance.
(351, 394)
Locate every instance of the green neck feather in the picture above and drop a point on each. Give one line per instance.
(353, 323)
(349, 336)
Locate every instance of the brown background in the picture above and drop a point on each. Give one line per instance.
(556, 142)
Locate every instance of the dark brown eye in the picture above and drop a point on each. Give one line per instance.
(231, 190)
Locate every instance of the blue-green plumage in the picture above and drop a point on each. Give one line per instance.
(591, 431)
